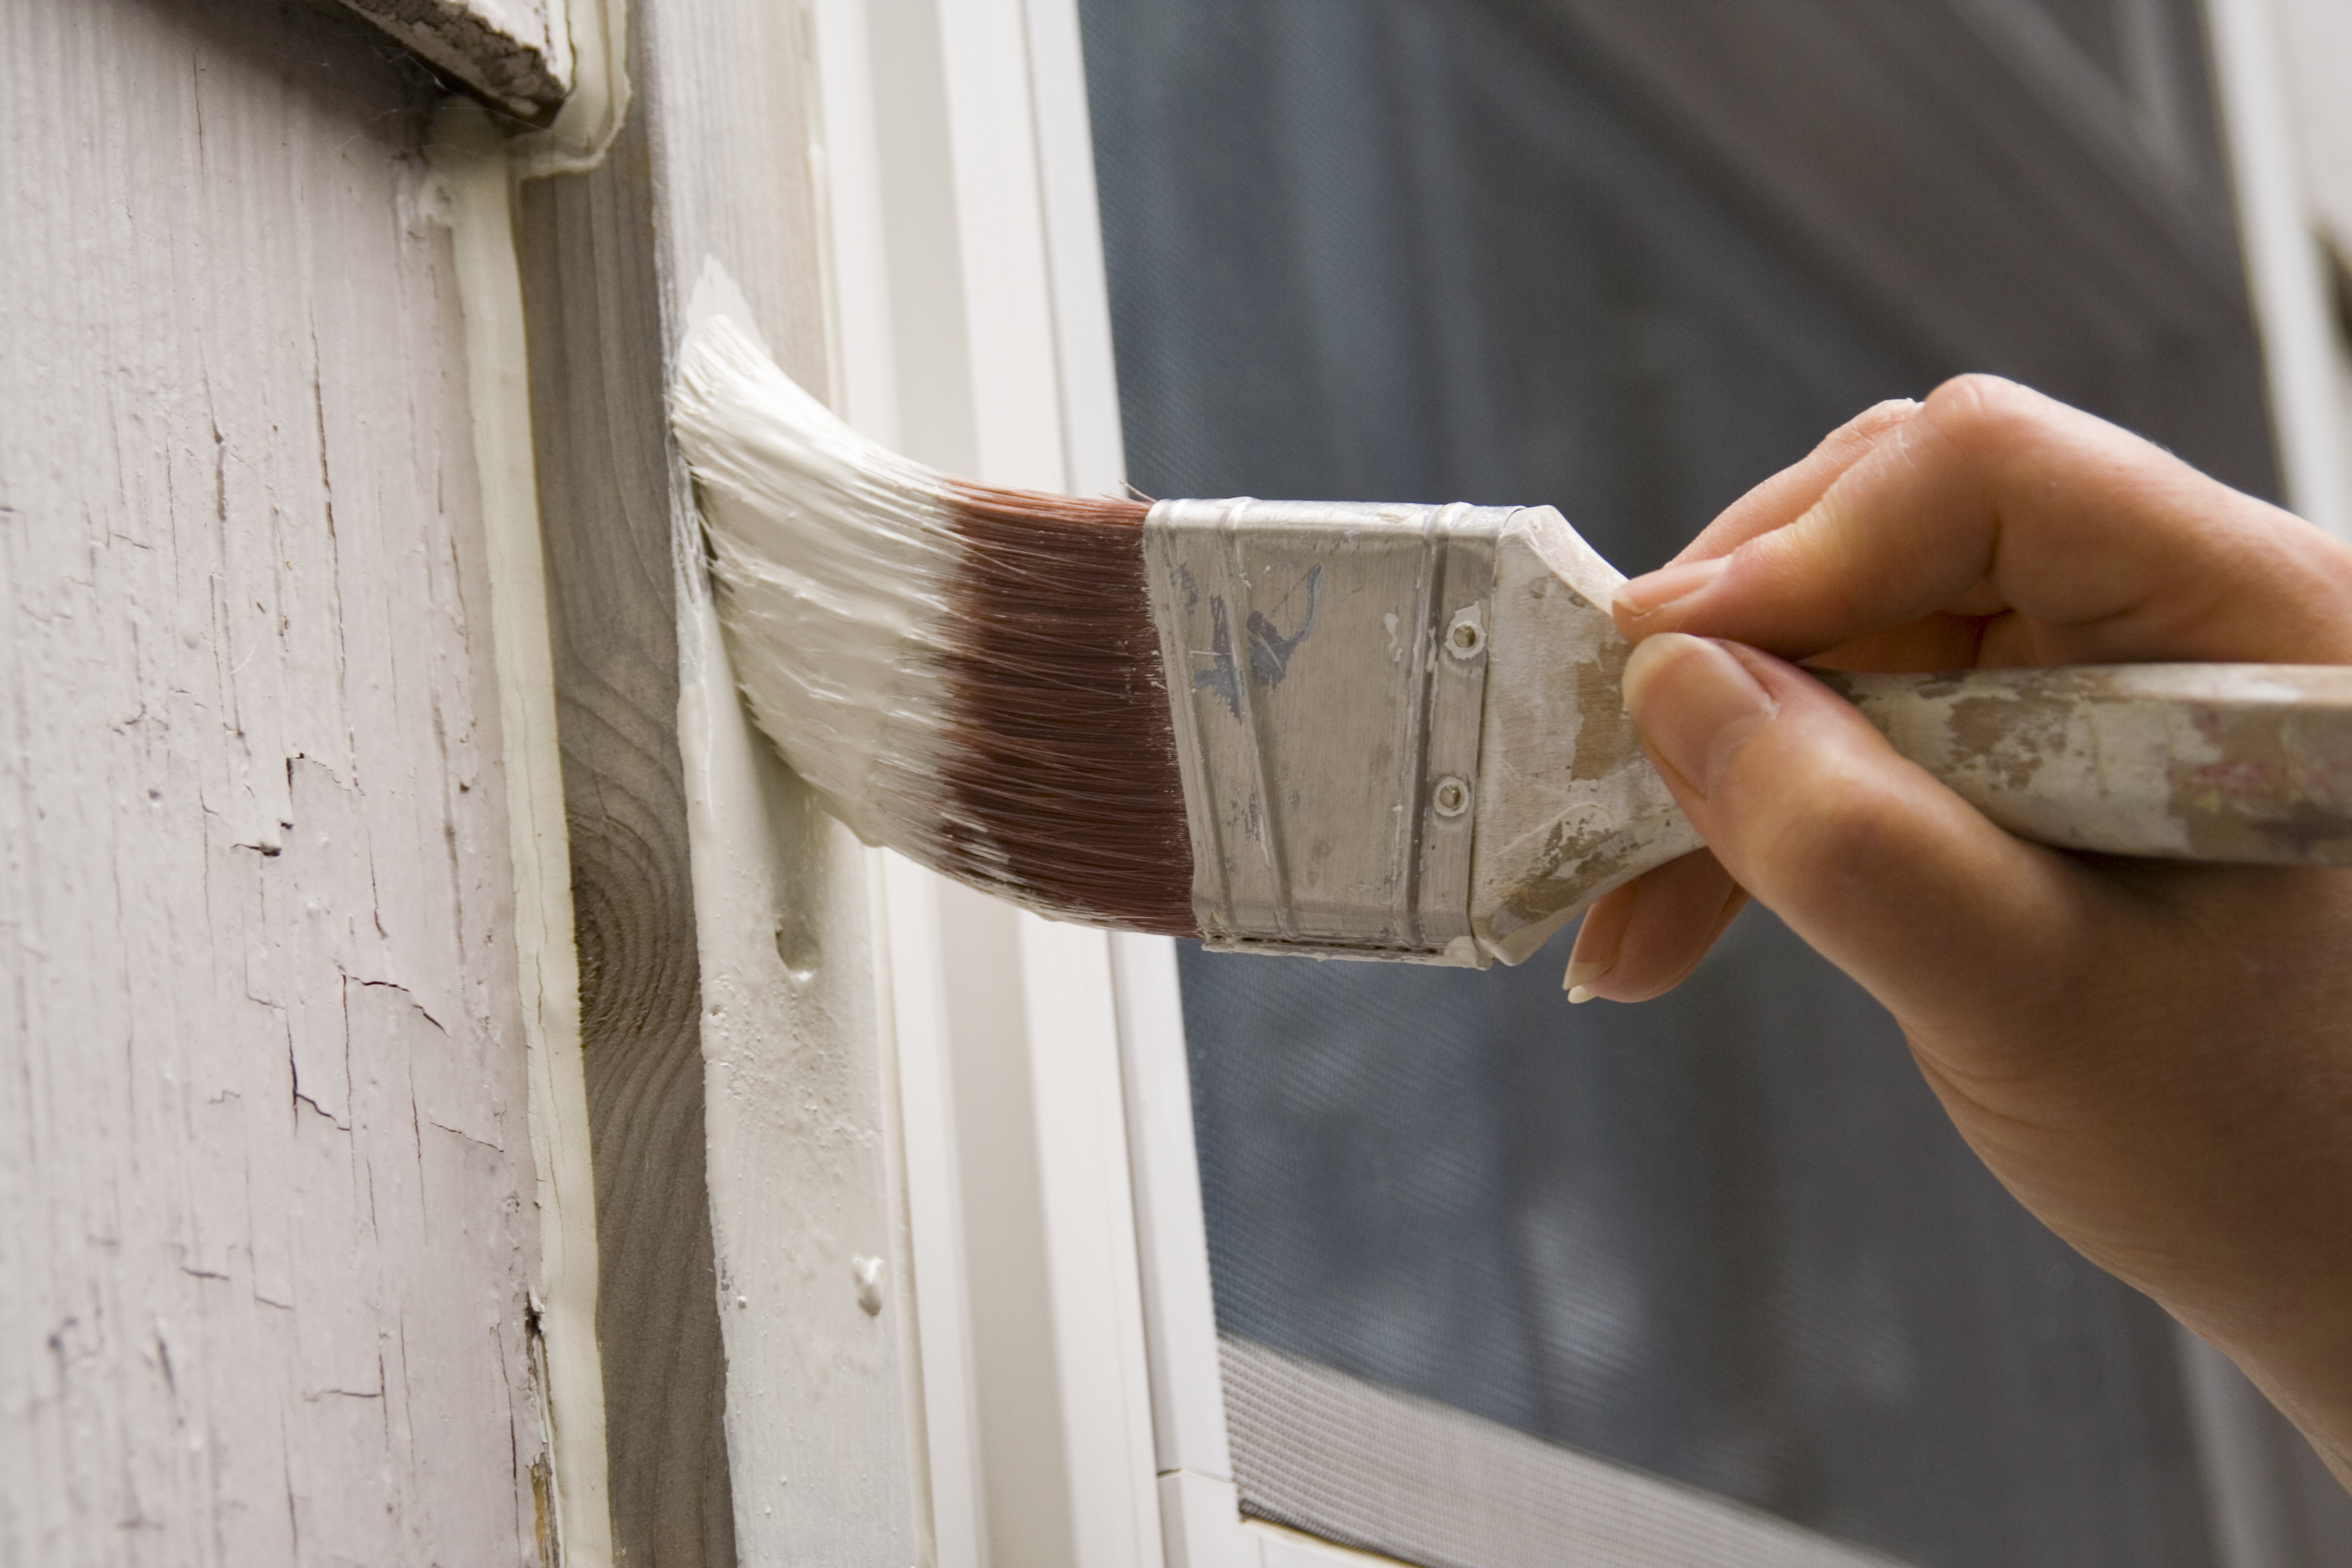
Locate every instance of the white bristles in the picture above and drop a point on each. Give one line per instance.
(969, 675)
(832, 556)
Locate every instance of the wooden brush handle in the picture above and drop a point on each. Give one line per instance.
(2249, 763)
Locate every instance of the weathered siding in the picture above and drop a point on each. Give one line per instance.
(264, 1171)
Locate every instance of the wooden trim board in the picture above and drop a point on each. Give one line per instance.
(738, 1080)
(469, 162)
(605, 498)
(962, 225)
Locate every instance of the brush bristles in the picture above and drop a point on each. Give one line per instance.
(1062, 783)
(968, 675)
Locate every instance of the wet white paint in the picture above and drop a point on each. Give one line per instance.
(801, 1104)
(832, 559)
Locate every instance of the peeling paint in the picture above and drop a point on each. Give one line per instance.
(254, 946)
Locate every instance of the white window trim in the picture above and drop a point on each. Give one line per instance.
(967, 255)
(973, 332)
(953, 345)
(2279, 232)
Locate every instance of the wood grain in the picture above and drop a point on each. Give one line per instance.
(591, 293)
(797, 1444)
(265, 1168)
(821, 1382)
(810, 1392)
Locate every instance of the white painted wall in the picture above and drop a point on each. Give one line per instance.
(265, 1178)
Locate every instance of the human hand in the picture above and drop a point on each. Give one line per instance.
(2154, 1057)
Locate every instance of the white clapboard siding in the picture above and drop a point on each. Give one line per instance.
(516, 53)
(265, 1172)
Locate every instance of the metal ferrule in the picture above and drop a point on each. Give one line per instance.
(1327, 672)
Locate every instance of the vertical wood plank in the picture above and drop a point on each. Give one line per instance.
(808, 1220)
(591, 295)
(821, 1428)
(264, 1165)
(796, 1444)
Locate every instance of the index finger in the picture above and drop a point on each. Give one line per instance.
(1995, 497)
(1788, 493)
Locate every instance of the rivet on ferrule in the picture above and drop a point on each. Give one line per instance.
(1330, 752)
(1467, 634)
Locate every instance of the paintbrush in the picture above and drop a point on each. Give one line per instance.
(1346, 730)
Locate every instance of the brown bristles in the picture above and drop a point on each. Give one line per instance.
(1061, 787)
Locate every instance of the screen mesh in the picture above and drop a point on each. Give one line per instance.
(1726, 1236)
(1413, 250)
(1418, 1480)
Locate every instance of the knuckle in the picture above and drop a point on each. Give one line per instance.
(1822, 811)
(1984, 412)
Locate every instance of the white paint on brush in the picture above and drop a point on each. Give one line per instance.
(824, 1407)
(832, 557)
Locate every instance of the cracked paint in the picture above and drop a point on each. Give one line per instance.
(264, 1176)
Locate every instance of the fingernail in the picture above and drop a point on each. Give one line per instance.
(1581, 974)
(1645, 595)
(1695, 705)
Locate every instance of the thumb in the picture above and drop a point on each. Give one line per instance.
(1889, 875)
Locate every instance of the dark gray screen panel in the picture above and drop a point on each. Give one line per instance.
(1384, 252)
(1726, 1236)
(1411, 250)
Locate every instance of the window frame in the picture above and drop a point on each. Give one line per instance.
(963, 238)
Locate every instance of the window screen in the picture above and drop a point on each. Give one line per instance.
(1422, 251)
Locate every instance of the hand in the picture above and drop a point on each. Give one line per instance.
(2154, 1057)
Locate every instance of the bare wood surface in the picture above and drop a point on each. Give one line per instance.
(264, 1173)
(589, 288)
(515, 53)
(756, 1409)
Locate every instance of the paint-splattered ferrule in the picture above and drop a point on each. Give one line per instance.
(1327, 670)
